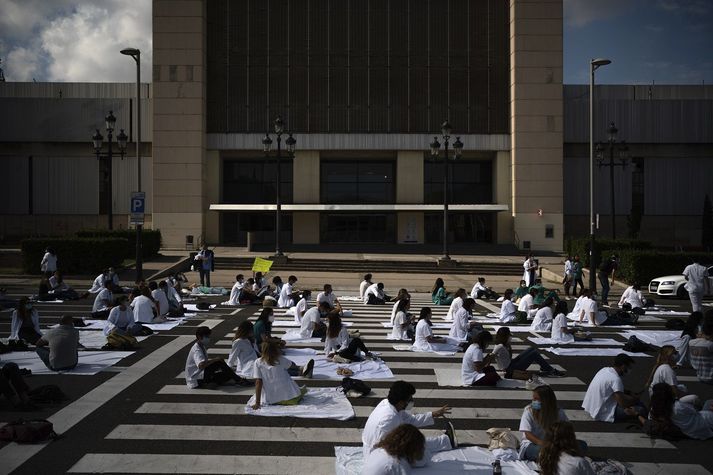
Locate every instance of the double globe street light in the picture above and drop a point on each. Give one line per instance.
(98, 142)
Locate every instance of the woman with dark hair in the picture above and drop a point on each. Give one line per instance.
(456, 304)
(543, 318)
(339, 346)
(263, 327)
(397, 452)
(463, 328)
(402, 295)
(537, 417)
(59, 289)
(425, 341)
(402, 328)
(476, 369)
(243, 353)
(671, 416)
(439, 296)
(560, 331)
(365, 283)
(560, 453)
(25, 322)
(502, 354)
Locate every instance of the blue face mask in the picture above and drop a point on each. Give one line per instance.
(536, 405)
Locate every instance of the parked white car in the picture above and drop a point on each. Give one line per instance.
(673, 285)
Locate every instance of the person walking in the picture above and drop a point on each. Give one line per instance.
(577, 277)
(49, 262)
(607, 270)
(696, 282)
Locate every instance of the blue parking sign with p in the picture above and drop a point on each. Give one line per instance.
(138, 207)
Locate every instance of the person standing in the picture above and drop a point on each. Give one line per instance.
(696, 279)
(607, 270)
(530, 266)
(577, 277)
(568, 276)
(206, 264)
(49, 262)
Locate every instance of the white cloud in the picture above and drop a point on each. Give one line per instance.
(26, 64)
(581, 12)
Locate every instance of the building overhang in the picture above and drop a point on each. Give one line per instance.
(358, 207)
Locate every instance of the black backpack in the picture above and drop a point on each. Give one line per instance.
(634, 345)
(356, 386)
(27, 432)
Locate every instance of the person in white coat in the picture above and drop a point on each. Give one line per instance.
(589, 313)
(312, 325)
(287, 293)
(98, 284)
(25, 322)
(425, 340)
(301, 307)
(663, 372)
(103, 301)
(236, 290)
(667, 411)
(121, 319)
(204, 372)
(530, 269)
(243, 352)
(48, 265)
(374, 294)
(327, 295)
(396, 410)
(508, 310)
(402, 295)
(365, 283)
(273, 383)
(402, 328)
(339, 346)
(606, 399)
(456, 305)
(527, 307)
(462, 327)
(560, 331)
(543, 318)
(696, 284)
(397, 452)
(633, 296)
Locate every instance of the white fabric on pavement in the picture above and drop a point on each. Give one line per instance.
(594, 342)
(90, 362)
(318, 403)
(592, 352)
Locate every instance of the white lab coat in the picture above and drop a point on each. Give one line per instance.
(49, 262)
(286, 300)
(17, 323)
(529, 263)
(460, 326)
(235, 293)
(456, 305)
(243, 355)
(362, 288)
(507, 311)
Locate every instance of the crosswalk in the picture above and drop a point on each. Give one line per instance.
(206, 431)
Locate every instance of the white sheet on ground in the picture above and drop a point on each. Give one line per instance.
(594, 342)
(294, 335)
(350, 298)
(191, 307)
(325, 369)
(655, 337)
(318, 403)
(452, 377)
(96, 339)
(167, 325)
(409, 347)
(435, 325)
(667, 313)
(592, 352)
(513, 328)
(90, 362)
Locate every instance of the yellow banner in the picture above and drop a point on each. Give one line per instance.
(261, 265)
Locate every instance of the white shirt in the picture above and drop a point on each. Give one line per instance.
(526, 302)
(589, 307)
(573, 465)
(277, 385)
(374, 290)
(49, 262)
(468, 373)
(663, 374)
(696, 275)
(242, 357)
(310, 318)
(542, 321)
(460, 326)
(235, 293)
(286, 300)
(329, 298)
(529, 423)
(394, 309)
(423, 332)
(455, 306)
(502, 357)
(104, 294)
(526, 274)
(119, 319)
(17, 323)
(143, 309)
(599, 400)
(568, 268)
(474, 291)
(507, 311)
(399, 331)
(692, 422)
(196, 356)
(379, 462)
(578, 306)
(98, 284)
(339, 343)
(300, 309)
(558, 324)
(162, 299)
(633, 297)
(362, 288)
(385, 418)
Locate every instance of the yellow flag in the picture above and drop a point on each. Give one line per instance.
(261, 265)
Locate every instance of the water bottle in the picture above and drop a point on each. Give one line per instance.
(497, 469)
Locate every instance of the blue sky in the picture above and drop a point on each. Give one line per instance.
(666, 41)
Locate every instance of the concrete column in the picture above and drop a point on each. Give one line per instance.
(409, 190)
(180, 197)
(501, 194)
(306, 190)
(213, 167)
(536, 121)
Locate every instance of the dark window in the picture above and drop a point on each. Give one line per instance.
(357, 228)
(251, 181)
(345, 182)
(234, 227)
(462, 227)
(471, 181)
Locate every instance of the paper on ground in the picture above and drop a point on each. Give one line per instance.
(325, 369)
(592, 352)
(435, 325)
(90, 362)
(408, 347)
(594, 342)
(656, 337)
(318, 403)
(451, 377)
(191, 307)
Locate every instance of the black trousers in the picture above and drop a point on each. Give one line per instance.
(218, 372)
(350, 351)
(374, 300)
(205, 277)
(11, 382)
(29, 335)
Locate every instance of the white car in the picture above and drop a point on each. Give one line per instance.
(674, 285)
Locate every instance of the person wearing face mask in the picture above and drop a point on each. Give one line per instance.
(263, 327)
(537, 417)
(25, 322)
(204, 372)
(606, 400)
(243, 353)
(121, 319)
(299, 310)
(236, 290)
(394, 411)
(505, 362)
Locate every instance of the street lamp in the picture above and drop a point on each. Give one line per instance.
(290, 142)
(435, 147)
(97, 142)
(136, 54)
(622, 150)
(594, 64)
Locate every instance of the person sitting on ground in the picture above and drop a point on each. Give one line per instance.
(327, 296)
(403, 294)
(247, 294)
(527, 309)
(59, 289)
(543, 318)
(402, 328)
(439, 296)
(277, 282)
(560, 454)
(456, 304)
(48, 265)
(160, 298)
(25, 323)
(103, 301)
(235, 291)
(663, 372)
(396, 410)
(146, 308)
(273, 383)
(312, 325)
(543, 293)
(560, 331)
(14, 387)
(537, 417)
(480, 291)
(287, 294)
(590, 311)
(58, 347)
(521, 291)
(606, 400)
(339, 346)
(43, 291)
(504, 361)
(700, 351)
(204, 372)
(462, 328)
(674, 417)
(260, 286)
(691, 331)
(398, 451)
(633, 296)
(365, 283)
(424, 338)
(243, 353)
(476, 369)
(263, 328)
(121, 319)
(302, 306)
(98, 284)
(374, 294)
(508, 310)
(175, 301)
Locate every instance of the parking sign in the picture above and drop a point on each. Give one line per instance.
(138, 207)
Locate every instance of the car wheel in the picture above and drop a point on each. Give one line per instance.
(682, 293)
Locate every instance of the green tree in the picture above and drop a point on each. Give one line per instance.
(707, 225)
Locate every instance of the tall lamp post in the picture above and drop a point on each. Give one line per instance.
(290, 143)
(594, 64)
(97, 141)
(446, 130)
(136, 54)
(622, 150)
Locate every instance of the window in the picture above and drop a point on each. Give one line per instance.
(471, 181)
(462, 227)
(357, 228)
(253, 181)
(356, 182)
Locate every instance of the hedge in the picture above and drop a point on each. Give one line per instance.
(150, 240)
(580, 247)
(643, 266)
(74, 255)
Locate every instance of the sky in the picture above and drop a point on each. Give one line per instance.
(662, 41)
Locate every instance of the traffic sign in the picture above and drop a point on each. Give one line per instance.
(138, 207)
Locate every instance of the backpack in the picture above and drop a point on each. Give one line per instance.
(634, 345)
(675, 324)
(354, 387)
(116, 341)
(203, 305)
(48, 393)
(27, 432)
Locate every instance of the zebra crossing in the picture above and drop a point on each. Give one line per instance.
(175, 428)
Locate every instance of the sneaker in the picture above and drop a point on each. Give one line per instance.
(340, 359)
(534, 382)
(308, 369)
(555, 373)
(451, 434)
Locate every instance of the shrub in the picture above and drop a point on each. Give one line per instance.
(75, 255)
(643, 265)
(150, 240)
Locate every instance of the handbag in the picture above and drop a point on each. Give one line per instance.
(502, 438)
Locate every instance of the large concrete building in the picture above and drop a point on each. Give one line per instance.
(363, 86)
